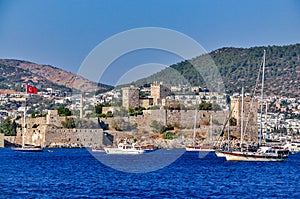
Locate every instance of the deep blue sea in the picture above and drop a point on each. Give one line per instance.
(75, 173)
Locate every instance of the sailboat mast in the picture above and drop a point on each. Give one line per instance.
(195, 122)
(24, 125)
(266, 114)
(242, 120)
(262, 96)
(228, 131)
(210, 129)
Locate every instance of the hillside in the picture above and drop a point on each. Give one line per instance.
(16, 71)
(240, 66)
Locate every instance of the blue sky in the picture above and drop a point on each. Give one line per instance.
(63, 33)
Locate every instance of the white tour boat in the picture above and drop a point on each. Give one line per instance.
(125, 148)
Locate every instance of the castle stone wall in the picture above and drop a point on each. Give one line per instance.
(1, 140)
(74, 137)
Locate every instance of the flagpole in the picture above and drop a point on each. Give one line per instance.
(24, 125)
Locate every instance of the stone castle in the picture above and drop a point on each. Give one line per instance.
(49, 132)
(131, 98)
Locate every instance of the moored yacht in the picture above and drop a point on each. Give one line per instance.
(219, 154)
(293, 147)
(125, 148)
(207, 148)
(97, 149)
(265, 154)
(28, 148)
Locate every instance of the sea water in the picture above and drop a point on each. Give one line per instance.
(75, 173)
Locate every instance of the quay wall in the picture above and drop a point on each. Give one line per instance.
(1, 140)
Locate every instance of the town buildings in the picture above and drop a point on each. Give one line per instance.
(282, 115)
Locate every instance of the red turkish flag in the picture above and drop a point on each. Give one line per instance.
(31, 89)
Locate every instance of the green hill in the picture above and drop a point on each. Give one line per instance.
(239, 67)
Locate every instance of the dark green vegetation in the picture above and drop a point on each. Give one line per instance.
(136, 111)
(9, 127)
(238, 67)
(71, 123)
(63, 111)
(209, 106)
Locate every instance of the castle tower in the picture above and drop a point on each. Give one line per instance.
(130, 98)
(53, 118)
(250, 116)
(159, 92)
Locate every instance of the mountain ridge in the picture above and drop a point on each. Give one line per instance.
(239, 67)
(35, 73)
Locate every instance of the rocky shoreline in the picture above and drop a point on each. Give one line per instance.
(177, 143)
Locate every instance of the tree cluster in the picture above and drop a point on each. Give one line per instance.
(9, 127)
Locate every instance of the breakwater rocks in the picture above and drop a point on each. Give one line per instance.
(176, 143)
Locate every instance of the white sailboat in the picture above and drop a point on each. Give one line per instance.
(219, 153)
(27, 147)
(265, 154)
(194, 146)
(219, 146)
(209, 145)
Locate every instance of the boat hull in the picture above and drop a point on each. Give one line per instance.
(252, 157)
(197, 148)
(98, 150)
(220, 155)
(24, 150)
(118, 151)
